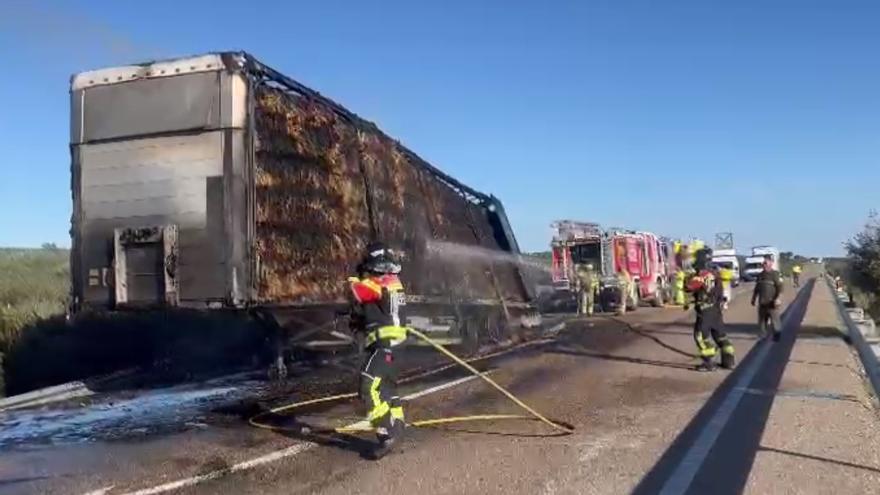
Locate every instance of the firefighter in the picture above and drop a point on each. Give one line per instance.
(679, 287)
(768, 290)
(378, 295)
(684, 258)
(726, 275)
(708, 297)
(587, 285)
(796, 275)
(626, 286)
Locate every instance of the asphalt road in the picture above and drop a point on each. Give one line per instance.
(645, 422)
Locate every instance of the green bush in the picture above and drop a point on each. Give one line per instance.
(34, 284)
(864, 266)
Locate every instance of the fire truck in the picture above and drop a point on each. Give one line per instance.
(643, 255)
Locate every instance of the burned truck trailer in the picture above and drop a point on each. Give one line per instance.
(216, 182)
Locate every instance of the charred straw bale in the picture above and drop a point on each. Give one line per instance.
(326, 187)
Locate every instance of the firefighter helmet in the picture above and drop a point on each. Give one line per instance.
(703, 257)
(380, 259)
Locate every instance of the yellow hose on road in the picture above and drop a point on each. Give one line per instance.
(467, 366)
(532, 416)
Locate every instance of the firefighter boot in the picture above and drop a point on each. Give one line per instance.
(708, 364)
(728, 361)
(386, 443)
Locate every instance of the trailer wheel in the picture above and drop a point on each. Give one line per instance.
(496, 327)
(470, 333)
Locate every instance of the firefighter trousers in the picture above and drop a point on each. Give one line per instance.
(586, 302)
(378, 391)
(768, 313)
(709, 336)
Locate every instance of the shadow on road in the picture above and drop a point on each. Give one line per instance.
(24, 479)
(624, 359)
(296, 430)
(647, 334)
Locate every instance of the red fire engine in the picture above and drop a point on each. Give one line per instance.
(643, 255)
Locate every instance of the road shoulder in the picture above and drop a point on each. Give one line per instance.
(823, 428)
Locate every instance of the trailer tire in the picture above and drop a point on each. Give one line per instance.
(470, 333)
(496, 327)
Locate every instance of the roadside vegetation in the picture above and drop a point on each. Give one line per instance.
(33, 285)
(862, 270)
(39, 347)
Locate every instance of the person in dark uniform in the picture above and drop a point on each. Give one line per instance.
(378, 296)
(707, 291)
(768, 290)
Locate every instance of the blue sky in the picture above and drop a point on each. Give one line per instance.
(685, 118)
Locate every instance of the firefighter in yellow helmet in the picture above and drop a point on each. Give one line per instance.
(626, 287)
(377, 296)
(708, 297)
(796, 275)
(587, 286)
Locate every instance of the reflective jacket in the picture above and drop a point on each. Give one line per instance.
(706, 290)
(377, 310)
(587, 279)
(726, 274)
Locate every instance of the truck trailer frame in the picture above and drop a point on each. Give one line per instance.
(218, 183)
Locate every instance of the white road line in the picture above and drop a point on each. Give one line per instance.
(241, 466)
(680, 479)
(272, 456)
(364, 424)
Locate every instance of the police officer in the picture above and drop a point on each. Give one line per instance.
(588, 285)
(707, 291)
(378, 295)
(768, 290)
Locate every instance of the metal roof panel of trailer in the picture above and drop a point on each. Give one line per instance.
(247, 63)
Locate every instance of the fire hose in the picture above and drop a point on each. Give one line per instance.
(533, 415)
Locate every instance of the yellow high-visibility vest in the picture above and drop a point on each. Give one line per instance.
(726, 274)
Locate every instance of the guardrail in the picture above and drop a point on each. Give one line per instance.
(45, 396)
(857, 339)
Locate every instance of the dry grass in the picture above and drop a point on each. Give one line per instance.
(34, 284)
(40, 348)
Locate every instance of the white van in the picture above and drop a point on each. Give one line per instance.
(755, 262)
(726, 258)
